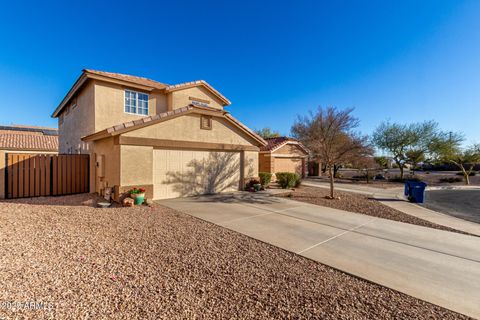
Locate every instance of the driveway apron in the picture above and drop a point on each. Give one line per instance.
(437, 266)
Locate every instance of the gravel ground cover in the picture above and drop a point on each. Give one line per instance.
(358, 203)
(156, 263)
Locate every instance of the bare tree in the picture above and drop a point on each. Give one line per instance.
(366, 164)
(329, 135)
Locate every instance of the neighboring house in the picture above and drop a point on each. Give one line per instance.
(173, 140)
(283, 154)
(25, 139)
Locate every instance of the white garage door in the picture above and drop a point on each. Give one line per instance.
(180, 173)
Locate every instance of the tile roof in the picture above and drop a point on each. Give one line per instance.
(274, 143)
(24, 138)
(143, 120)
(125, 77)
(132, 125)
(197, 83)
(149, 83)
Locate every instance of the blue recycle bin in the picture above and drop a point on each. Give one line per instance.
(415, 191)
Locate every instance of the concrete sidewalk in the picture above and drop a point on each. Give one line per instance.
(393, 197)
(433, 265)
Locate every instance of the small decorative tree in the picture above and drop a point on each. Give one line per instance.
(329, 135)
(465, 159)
(367, 164)
(447, 147)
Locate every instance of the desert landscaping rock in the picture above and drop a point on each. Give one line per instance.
(156, 263)
(360, 204)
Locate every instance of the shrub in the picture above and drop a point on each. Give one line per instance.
(298, 182)
(472, 174)
(288, 180)
(265, 178)
(451, 179)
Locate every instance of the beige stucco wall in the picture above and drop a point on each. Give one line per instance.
(265, 162)
(251, 164)
(110, 105)
(111, 152)
(136, 165)
(187, 128)
(290, 149)
(78, 122)
(181, 98)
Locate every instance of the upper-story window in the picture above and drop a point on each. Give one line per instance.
(136, 102)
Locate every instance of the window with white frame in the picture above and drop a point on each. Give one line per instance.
(136, 102)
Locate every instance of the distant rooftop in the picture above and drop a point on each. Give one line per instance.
(28, 138)
(27, 128)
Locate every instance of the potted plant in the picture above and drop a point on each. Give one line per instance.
(138, 194)
(253, 185)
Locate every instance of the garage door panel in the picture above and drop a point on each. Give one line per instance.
(178, 173)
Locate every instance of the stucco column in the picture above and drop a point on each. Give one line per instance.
(2, 174)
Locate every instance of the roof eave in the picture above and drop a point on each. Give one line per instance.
(77, 85)
(203, 83)
(87, 75)
(110, 132)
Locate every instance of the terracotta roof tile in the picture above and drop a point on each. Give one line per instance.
(197, 83)
(141, 121)
(274, 143)
(125, 77)
(22, 141)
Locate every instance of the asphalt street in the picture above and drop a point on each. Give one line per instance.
(464, 204)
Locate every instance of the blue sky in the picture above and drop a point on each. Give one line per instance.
(399, 60)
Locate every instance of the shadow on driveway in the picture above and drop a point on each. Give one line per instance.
(237, 197)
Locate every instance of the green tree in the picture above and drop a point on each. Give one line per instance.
(414, 157)
(329, 135)
(381, 161)
(447, 148)
(400, 139)
(267, 133)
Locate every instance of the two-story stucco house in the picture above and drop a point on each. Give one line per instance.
(173, 140)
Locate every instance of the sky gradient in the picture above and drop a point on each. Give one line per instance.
(400, 60)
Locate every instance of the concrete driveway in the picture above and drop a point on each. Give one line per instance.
(437, 266)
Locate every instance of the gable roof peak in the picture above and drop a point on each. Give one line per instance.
(129, 78)
(275, 143)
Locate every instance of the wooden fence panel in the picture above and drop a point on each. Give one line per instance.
(33, 175)
(64, 174)
(9, 177)
(48, 165)
(54, 176)
(15, 174)
(31, 165)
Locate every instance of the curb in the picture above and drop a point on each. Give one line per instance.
(453, 188)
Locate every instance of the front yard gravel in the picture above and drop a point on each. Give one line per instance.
(359, 204)
(153, 263)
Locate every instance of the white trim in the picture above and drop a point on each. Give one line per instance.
(136, 103)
